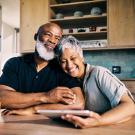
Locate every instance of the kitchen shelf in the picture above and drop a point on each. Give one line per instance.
(69, 21)
(72, 22)
(84, 6)
(108, 48)
(89, 35)
(72, 4)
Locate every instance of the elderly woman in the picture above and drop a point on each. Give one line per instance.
(107, 98)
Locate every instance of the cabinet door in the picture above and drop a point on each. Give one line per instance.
(121, 23)
(33, 14)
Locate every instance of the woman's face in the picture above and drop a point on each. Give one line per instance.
(72, 63)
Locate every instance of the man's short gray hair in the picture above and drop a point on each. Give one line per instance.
(69, 42)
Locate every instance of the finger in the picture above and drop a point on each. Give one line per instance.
(79, 122)
(4, 112)
(94, 115)
(8, 112)
(16, 112)
(63, 88)
(11, 112)
(67, 117)
(68, 101)
(76, 120)
(69, 95)
(67, 92)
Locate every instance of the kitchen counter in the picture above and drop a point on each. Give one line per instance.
(39, 125)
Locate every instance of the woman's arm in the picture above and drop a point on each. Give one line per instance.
(122, 112)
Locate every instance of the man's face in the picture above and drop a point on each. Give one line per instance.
(50, 36)
(48, 39)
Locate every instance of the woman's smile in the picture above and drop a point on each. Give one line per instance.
(72, 63)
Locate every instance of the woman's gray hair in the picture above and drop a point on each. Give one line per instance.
(68, 42)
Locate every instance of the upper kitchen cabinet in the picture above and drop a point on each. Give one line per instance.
(84, 19)
(121, 21)
(33, 14)
(99, 24)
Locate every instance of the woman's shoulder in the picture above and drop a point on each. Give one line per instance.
(100, 69)
(97, 69)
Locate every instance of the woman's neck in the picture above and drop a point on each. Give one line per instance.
(83, 72)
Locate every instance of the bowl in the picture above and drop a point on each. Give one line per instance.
(78, 13)
(96, 11)
(59, 16)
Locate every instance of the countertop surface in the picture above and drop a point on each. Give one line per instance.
(39, 125)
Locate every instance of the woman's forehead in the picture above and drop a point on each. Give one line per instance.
(69, 52)
(69, 46)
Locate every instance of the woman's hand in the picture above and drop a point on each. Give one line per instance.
(93, 120)
(26, 111)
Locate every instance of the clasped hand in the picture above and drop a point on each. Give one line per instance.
(61, 94)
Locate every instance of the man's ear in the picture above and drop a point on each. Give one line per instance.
(35, 36)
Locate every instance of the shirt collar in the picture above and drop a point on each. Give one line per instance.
(29, 59)
(87, 72)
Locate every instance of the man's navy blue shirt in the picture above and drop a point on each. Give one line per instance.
(20, 73)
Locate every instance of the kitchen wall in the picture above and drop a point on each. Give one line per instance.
(10, 18)
(109, 58)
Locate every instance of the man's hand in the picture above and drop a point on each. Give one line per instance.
(92, 121)
(27, 111)
(61, 95)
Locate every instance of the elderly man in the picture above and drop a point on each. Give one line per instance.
(35, 81)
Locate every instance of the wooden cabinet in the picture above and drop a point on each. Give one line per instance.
(121, 23)
(117, 15)
(33, 14)
(85, 26)
(117, 20)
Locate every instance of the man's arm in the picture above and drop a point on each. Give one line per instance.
(15, 100)
(78, 104)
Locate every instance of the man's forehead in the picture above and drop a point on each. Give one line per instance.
(53, 30)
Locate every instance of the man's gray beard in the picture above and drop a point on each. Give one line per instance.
(44, 53)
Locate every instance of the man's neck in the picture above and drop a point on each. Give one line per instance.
(40, 63)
